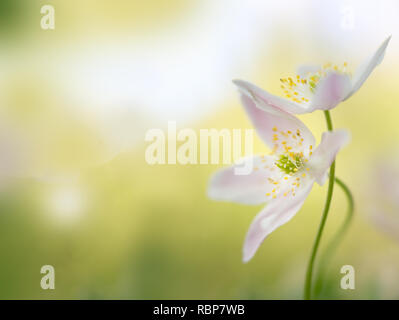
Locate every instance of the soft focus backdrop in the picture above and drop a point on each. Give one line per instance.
(76, 102)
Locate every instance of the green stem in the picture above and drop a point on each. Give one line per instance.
(309, 272)
(327, 254)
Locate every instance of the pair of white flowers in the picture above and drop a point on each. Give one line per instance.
(284, 178)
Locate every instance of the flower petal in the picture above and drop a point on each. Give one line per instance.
(267, 101)
(280, 125)
(330, 91)
(226, 185)
(325, 153)
(278, 212)
(366, 68)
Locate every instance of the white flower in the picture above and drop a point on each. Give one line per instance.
(284, 178)
(315, 87)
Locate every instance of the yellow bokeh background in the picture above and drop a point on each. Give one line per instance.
(114, 227)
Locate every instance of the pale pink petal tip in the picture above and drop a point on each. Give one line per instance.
(278, 212)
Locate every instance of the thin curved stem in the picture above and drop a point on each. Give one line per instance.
(332, 246)
(309, 272)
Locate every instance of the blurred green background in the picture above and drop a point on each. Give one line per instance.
(78, 100)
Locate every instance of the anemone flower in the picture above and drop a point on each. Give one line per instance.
(282, 179)
(316, 87)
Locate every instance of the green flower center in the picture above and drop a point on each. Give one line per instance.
(300, 89)
(289, 164)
